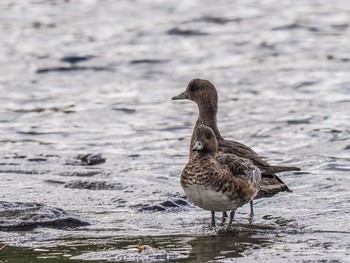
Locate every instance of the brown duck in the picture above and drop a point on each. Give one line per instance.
(204, 94)
(213, 186)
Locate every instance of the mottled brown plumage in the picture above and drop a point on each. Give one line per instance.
(213, 186)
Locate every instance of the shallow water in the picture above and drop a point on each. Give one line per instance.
(282, 73)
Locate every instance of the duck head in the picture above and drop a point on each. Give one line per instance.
(201, 91)
(205, 140)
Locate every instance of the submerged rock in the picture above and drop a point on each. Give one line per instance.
(94, 185)
(76, 59)
(21, 216)
(72, 68)
(87, 159)
(81, 173)
(185, 32)
(163, 206)
(91, 159)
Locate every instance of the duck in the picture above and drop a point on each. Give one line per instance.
(205, 95)
(213, 186)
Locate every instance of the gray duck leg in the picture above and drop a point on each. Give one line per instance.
(224, 216)
(251, 209)
(232, 215)
(213, 219)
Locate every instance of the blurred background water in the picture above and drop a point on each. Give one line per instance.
(96, 77)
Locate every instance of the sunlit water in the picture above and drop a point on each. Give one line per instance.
(282, 73)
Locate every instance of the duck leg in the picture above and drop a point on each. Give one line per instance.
(251, 209)
(232, 215)
(213, 219)
(224, 216)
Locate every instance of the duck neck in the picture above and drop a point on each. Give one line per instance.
(207, 117)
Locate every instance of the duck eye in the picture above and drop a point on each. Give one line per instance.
(193, 88)
(208, 136)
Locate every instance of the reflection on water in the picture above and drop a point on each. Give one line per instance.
(219, 245)
(224, 245)
(87, 126)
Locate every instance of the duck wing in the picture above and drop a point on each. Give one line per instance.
(241, 150)
(240, 167)
(243, 168)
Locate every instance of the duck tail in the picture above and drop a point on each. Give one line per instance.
(271, 185)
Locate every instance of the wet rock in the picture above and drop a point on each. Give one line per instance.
(181, 202)
(119, 202)
(163, 206)
(76, 59)
(126, 110)
(81, 173)
(49, 155)
(185, 32)
(19, 172)
(64, 109)
(295, 26)
(75, 68)
(133, 156)
(21, 216)
(220, 20)
(37, 160)
(94, 185)
(300, 121)
(40, 25)
(24, 141)
(5, 164)
(280, 221)
(148, 61)
(306, 84)
(91, 159)
(16, 156)
(54, 182)
(332, 57)
(36, 133)
(154, 208)
(341, 26)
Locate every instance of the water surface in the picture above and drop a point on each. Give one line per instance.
(282, 73)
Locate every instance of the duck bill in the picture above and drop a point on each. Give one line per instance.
(198, 146)
(181, 96)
